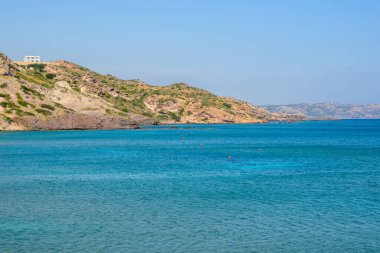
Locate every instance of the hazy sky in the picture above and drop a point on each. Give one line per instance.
(265, 52)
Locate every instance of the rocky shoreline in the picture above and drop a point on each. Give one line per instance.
(81, 122)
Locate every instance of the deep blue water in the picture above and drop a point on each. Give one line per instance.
(301, 187)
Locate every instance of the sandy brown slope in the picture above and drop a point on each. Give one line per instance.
(63, 95)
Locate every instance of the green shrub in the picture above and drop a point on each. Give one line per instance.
(4, 95)
(29, 113)
(139, 102)
(189, 113)
(30, 91)
(36, 66)
(118, 101)
(21, 101)
(4, 85)
(227, 105)
(22, 113)
(44, 112)
(12, 105)
(181, 111)
(49, 107)
(8, 120)
(60, 106)
(50, 76)
(174, 116)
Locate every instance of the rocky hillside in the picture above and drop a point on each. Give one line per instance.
(329, 110)
(63, 95)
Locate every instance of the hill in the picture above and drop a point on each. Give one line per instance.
(64, 95)
(329, 110)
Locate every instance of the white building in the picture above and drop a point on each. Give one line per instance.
(32, 58)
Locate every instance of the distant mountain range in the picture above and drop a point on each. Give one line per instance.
(329, 110)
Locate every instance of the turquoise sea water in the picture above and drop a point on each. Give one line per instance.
(301, 187)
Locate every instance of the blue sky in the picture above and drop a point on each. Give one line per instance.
(264, 52)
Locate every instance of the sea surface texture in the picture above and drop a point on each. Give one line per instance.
(300, 187)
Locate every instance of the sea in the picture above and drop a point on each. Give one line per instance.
(278, 187)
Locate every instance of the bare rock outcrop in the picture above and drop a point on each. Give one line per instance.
(80, 121)
(5, 65)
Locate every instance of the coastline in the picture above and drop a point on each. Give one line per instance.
(171, 125)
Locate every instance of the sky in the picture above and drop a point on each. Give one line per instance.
(260, 51)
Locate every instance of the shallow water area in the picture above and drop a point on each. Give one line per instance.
(307, 186)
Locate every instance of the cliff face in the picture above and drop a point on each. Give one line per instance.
(330, 110)
(63, 95)
(5, 65)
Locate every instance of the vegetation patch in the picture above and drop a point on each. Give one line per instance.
(162, 117)
(135, 105)
(35, 77)
(227, 105)
(49, 107)
(112, 112)
(37, 66)
(148, 114)
(30, 91)
(10, 105)
(21, 101)
(76, 88)
(7, 119)
(162, 101)
(5, 95)
(44, 112)
(61, 106)
(138, 103)
(23, 113)
(156, 92)
(50, 76)
(3, 85)
(179, 86)
(118, 101)
(174, 116)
